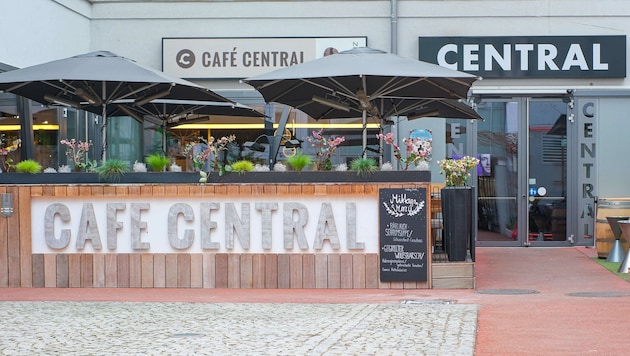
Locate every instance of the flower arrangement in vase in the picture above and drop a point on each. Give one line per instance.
(457, 171)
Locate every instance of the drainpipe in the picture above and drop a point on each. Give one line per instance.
(394, 27)
(385, 150)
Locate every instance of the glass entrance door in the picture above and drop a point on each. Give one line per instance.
(522, 177)
(547, 172)
(498, 172)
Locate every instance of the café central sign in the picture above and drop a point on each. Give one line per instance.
(195, 226)
(529, 57)
(216, 58)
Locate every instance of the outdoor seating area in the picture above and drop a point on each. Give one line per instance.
(109, 85)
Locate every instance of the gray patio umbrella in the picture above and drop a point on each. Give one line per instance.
(171, 112)
(94, 80)
(363, 82)
(443, 108)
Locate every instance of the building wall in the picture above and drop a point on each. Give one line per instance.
(37, 31)
(612, 147)
(135, 28)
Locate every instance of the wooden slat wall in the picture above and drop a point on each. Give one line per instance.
(191, 270)
(20, 268)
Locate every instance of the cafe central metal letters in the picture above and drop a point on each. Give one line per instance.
(115, 227)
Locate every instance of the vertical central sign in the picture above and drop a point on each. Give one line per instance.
(403, 235)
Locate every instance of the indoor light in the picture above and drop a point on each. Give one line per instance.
(331, 103)
(61, 101)
(147, 99)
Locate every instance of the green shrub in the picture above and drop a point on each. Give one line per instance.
(299, 161)
(242, 166)
(28, 166)
(364, 166)
(112, 169)
(157, 161)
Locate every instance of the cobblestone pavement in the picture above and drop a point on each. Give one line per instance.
(133, 328)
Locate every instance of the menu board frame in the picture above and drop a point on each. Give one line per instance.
(403, 240)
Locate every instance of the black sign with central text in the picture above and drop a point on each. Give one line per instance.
(529, 56)
(403, 235)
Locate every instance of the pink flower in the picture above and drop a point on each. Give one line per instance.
(389, 138)
(326, 148)
(318, 134)
(416, 149)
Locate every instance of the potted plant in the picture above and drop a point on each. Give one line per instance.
(418, 149)
(364, 166)
(157, 161)
(112, 169)
(242, 166)
(299, 161)
(7, 145)
(77, 151)
(212, 150)
(28, 166)
(326, 147)
(457, 199)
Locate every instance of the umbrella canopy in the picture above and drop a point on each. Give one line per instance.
(171, 112)
(443, 108)
(363, 82)
(94, 80)
(358, 79)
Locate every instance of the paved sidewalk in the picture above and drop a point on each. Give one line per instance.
(118, 328)
(528, 301)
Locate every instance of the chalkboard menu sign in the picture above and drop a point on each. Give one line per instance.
(403, 234)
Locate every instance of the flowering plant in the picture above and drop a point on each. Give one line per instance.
(326, 147)
(457, 171)
(212, 151)
(417, 149)
(77, 152)
(6, 163)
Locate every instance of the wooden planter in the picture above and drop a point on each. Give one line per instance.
(228, 178)
(190, 269)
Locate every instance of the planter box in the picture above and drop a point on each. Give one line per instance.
(228, 178)
(321, 177)
(457, 217)
(93, 178)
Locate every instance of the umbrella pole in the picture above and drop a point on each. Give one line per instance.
(104, 127)
(164, 137)
(104, 134)
(364, 138)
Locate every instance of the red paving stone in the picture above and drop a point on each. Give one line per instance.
(549, 322)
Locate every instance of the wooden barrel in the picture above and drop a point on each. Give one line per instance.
(604, 236)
